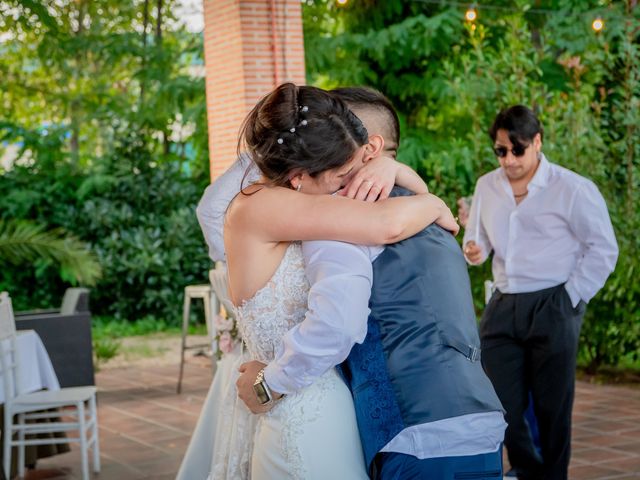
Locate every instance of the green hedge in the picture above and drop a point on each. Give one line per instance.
(137, 215)
(448, 78)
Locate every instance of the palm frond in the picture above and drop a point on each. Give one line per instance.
(25, 242)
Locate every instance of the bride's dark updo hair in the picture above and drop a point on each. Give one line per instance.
(300, 128)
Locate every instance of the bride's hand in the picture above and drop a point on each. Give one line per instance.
(373, 181)
(446, 219)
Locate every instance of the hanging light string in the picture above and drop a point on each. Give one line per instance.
(477, 6)
(471, 13)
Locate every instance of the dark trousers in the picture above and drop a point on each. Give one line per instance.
(529, 344)
(399, 466)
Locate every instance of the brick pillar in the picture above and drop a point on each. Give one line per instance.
(249, 48)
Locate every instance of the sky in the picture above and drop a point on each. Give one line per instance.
(190, 12)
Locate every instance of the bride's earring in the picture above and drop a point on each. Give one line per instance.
(299, 187)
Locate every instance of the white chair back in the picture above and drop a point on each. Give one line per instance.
(7, 321)
(218, 279)
(71, 299)
(9, 365)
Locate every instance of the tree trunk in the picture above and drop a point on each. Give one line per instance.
(74, 114)
(631, 71)
(145, 24)
(159, 22)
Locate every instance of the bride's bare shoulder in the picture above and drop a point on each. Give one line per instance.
(257, 203)
(258, 198)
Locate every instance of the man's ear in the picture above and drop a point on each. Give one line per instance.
(537, 142)
(373, 148)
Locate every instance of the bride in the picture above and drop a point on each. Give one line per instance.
(304, 142)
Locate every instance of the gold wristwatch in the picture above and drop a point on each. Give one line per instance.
(263, 392)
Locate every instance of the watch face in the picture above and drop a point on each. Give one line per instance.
(262, 393)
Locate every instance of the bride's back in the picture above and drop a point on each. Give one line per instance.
(251, 260)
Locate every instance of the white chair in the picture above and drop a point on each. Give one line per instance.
(79, 405)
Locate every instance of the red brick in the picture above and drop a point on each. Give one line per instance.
(239, 60)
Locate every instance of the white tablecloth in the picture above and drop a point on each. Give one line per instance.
(36, 371)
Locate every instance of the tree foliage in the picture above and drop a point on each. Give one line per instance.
(109, 120)
(22, 243)
(448, 78)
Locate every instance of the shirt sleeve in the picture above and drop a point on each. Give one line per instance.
(475, 230)
(590, 222)
(340, 275)
(215, 200)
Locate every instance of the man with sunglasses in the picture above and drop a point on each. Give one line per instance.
(553, 248)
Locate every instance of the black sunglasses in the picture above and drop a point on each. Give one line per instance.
(517, 150)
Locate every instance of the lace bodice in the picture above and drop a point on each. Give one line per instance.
(281, 304)
(284, 442)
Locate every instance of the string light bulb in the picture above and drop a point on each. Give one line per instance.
(341, 3)
(598, 24)
(471, 15)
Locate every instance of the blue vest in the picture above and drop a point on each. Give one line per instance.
(420, 359)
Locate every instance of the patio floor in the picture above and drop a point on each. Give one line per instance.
(145, 426)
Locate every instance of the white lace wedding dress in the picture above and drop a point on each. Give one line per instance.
(309, 435)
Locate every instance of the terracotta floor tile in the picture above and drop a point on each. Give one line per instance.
(590, 472)
(145, 426)
(601, 455)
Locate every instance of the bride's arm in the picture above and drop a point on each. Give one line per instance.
(280, 214)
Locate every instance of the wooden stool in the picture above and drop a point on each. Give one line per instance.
(210, 304)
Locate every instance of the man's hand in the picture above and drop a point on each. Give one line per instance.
(373, 181)
(249, 372)
(473, 252)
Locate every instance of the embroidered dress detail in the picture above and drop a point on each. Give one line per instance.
(308, 435)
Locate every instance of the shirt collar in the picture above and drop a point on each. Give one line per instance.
(541, 177)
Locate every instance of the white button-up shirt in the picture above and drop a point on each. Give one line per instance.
(216, 198)
(560, 233)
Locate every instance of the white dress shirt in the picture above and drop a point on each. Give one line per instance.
(341, 276)
(560, 233)
(217, 197)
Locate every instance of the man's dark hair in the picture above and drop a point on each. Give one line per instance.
(367, 98)
(520, 122)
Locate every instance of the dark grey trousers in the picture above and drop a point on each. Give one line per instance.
(529, 344)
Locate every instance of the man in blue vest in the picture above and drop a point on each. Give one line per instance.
(424, 406)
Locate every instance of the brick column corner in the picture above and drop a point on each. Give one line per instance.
(250, 47)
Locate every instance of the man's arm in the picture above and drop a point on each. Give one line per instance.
(590, 222)
(340, 275)
(215, 200)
